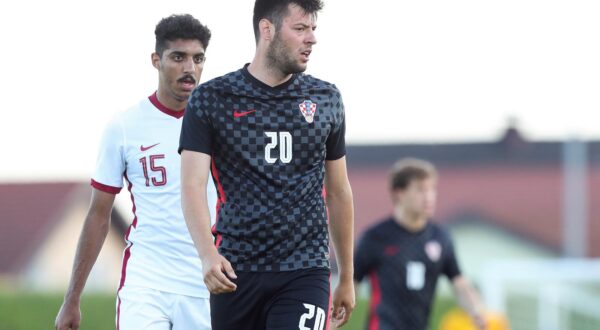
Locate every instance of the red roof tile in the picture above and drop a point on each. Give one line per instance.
(27, 213)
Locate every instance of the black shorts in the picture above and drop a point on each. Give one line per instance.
(297, 299)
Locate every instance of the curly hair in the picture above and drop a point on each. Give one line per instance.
(276, 10)
(183, 26)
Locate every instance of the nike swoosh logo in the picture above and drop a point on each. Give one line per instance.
(238, 114)
(142, 148)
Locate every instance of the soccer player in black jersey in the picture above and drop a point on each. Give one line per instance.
(273, 138)
(404, 255)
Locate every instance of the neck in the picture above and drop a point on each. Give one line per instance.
(268, 74)
(170, 102)
(409, 220)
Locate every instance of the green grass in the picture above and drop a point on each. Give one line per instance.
(359, 316)
(28, 311)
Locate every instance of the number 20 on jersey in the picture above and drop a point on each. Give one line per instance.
(282, 141)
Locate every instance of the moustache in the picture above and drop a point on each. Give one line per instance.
(187, 78)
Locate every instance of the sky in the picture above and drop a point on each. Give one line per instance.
(409, 71)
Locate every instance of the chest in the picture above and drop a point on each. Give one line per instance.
(400, 252)
(415, 262)
(275, 130)
(150, 152)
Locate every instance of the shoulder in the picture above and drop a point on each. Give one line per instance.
(210, 92)
(320, 84)
(131, 116)
(440, 232)
(221, 83)
(378, 230)
(328, 94)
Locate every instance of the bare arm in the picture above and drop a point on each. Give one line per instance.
(469, 300)
(341, 227)
(194, 177)
(356, 288)
(93, 234)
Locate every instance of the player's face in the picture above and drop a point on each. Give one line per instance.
(180, 67)
(419, 198)
(292, 44)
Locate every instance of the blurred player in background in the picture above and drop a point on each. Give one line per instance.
(161, 283)
(272, 136)
(405, 254)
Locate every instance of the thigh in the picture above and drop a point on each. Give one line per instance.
(241, 309)
(302, 303)
(141, 308)
(191, 313)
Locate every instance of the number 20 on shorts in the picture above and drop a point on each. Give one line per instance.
(313, 312)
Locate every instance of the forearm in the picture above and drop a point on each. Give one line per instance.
(341, 228)
(93, 234)
(467, 297)
(356, 287)
(194, 177)
(197, 217)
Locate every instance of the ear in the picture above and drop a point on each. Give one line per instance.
(267, 29)
(155, 60)
(396, 195)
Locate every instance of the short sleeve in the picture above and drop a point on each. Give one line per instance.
(365, 257)
(336, 141)
(110, 164)
(196, 129)
(451, 268)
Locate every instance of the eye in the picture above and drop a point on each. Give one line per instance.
(199, 59)
(177, 58)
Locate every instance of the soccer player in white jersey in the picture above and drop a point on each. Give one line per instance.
(161, 283)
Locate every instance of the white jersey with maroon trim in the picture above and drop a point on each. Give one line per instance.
(140, 145)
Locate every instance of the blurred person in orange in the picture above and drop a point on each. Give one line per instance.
(457, 319)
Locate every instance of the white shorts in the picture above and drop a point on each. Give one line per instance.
(143, 308)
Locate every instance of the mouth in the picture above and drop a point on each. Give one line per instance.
(188, 83)
(305, 55)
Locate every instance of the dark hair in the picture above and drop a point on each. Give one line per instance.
(406, 170)
(276, 10)
(183, 26)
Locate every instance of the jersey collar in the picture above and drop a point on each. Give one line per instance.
(406, 230)
(173, 113)
(262, 85)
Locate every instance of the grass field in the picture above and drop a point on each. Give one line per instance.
(35, 311)
(440, 307)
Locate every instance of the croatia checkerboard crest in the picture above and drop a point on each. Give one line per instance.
(433, 250)
(308, 110)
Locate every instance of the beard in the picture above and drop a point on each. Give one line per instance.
(280, 58)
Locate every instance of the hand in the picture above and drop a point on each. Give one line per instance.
(217, 274)
(343, 303)
(479, 321)
(69, 316)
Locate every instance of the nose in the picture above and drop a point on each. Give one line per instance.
(311, 38)
(189, 65)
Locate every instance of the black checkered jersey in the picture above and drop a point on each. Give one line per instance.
(268, 147)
